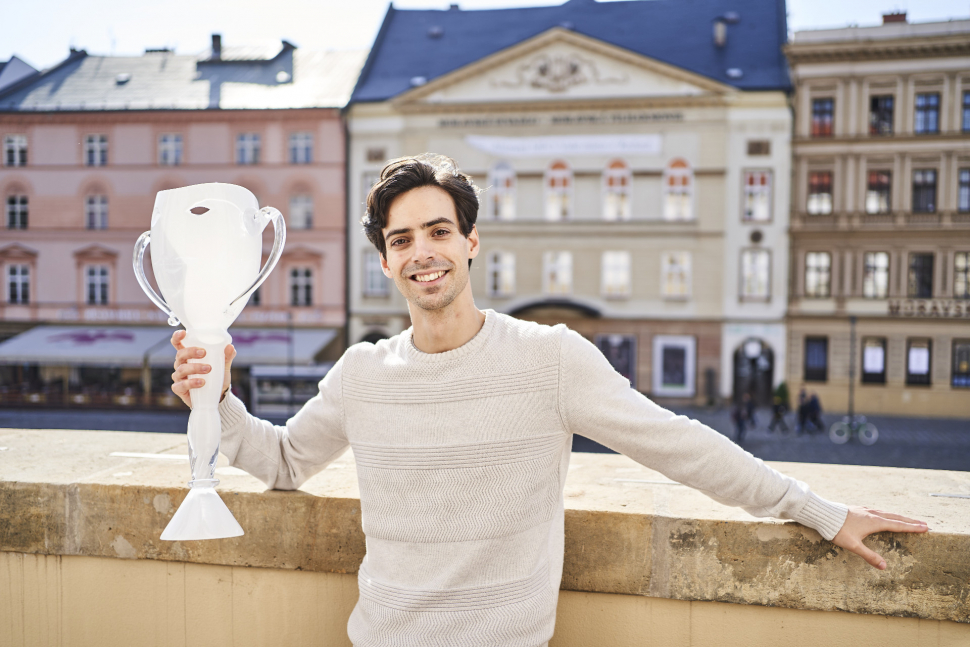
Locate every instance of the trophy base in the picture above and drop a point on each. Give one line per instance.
(202, 515)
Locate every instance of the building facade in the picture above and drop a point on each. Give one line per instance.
(880, 224)
(635, 186)
(88, 144)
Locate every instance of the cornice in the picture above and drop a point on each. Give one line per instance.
(33, 117)
(869, 50)
(709, 101)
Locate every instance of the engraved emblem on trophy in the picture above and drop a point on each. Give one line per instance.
(206, 246)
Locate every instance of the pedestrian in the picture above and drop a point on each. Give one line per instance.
(778, 411)
(802, 412)
(815, 412)
(738, 418)
(749, 407)
(461, 428)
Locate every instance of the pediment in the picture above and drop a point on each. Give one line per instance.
(560, 65)
(95, 253)
(17, 252)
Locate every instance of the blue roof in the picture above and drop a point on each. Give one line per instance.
(678, 32)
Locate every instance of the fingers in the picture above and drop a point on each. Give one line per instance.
(871, 557)
(897, 517)
(185, 354)
(190, 368)
(177, 338)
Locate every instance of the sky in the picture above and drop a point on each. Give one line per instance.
(41, 31)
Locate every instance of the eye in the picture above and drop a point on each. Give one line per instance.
(441, 231)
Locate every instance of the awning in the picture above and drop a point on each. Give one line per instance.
(125, 346)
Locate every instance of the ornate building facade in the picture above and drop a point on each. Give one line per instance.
(880, 224)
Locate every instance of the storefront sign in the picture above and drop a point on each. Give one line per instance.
(949, 308)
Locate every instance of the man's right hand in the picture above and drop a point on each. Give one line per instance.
(183, 379)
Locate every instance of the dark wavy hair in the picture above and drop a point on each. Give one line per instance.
(428, 169)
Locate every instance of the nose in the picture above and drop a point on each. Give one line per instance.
(423, 250)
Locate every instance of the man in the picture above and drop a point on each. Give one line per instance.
(462, 427)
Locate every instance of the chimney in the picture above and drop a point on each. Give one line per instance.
(896, 16)
(216, 46)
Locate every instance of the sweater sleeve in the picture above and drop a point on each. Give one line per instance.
(597, 402)
(284, 457)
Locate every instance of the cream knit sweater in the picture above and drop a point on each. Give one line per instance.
(461, 460)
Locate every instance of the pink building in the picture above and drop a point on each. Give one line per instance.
(88, 143)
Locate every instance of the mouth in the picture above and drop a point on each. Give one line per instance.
(429, 278)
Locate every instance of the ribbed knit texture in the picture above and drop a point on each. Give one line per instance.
(461, 460)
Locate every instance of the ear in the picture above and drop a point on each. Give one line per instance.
(474, 245)
(384, 267)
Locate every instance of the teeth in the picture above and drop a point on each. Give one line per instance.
(429, 277)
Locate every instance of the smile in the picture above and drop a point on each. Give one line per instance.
(429, 278)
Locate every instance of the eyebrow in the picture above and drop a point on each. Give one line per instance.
(430, 223)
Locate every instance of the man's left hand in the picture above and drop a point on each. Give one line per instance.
(862, 522)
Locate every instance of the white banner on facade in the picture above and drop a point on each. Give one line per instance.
(563, 145)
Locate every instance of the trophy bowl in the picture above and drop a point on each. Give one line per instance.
(206, 246)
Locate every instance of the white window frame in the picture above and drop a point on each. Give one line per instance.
(98, 276)
(557, 264)
(170, 149)
(248, 148)
(301, 147)
(815, 269)
(500, 203)
(743, 292)
(616, 276)
(375, 283)
(689, 344)
(500, 274)
(96, 211)
(300, 278)
(96, 150)
(673, 264)
(617, 191)
(757, 191)
(17, 211)
(15, 150)
(820, 204)
(558, 186)
(678, 191)
(18, 283)
(301, 211)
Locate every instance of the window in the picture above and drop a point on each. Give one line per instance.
(879, 192)
(674, 365)
(816, 359)
(97, 284)
(96, 150)
(820, 192)
(256, 299)
(874, 360)
(170, 149)
(961, 363)
(247, 148)
(96, 211)
(678, 191)
(301, 286)
(301, 148)
(18, 284)
(921, 276)
(757, 196)
(559, 191)
(617, 181)
(675, 275)
(818, 277)
(16, 212)
(881, 115)
(501, 198)
(759, 147)
(918, 360)
(15, 150)
(301, 211)
(557, 272)
(966, 111)
(961, 275)
(615, 274)
(924, 191)
(501, 274)
(375, 283)
(963, 190)
(621, 352)
(822, 112)
(875, 275)
(755, 274)
(927, 113)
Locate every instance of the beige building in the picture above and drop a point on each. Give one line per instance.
(880, 223)
(643, 203)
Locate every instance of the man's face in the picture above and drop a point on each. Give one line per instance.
(427, 255)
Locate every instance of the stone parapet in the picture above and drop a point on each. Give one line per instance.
(629, 530)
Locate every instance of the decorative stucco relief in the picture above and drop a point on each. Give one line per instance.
(557, 73)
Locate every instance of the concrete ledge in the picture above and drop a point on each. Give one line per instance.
(629, 530)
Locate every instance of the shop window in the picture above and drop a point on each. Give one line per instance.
(819, 192)
(879, 192)
(921, 276)
(617, 182)
(757, 196)
(875, 275)
(816, 359)
(818, 275)
(874, 360)
(881, 115)
(674, 366)
(918, 361)
(961, 363)
(823, 111)
(501, 274)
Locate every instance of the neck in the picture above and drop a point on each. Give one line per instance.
(438, 331)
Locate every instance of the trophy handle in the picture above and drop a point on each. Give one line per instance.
(138, 263)
(279, 226)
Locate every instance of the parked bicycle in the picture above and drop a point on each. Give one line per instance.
(842, 432)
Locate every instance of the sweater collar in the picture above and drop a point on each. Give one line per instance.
(465, 350)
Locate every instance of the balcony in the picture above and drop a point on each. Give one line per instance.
(646, 560)
(904, 220)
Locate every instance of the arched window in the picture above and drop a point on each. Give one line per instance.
(17, 211)
(501, 201)
(96, 211)
(678, 191)
(617, 181)
(301, 210)
(559, 191)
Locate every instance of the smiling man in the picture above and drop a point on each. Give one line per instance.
(462, 428)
